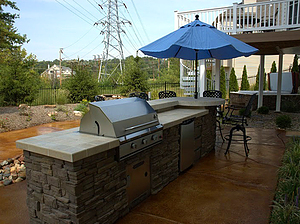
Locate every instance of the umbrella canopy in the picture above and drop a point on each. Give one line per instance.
(210, 43)
(195, 41)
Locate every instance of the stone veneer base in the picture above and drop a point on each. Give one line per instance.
(93, 190)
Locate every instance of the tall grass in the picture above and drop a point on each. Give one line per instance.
(286, 203)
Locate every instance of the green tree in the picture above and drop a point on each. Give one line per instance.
(209, 80)
(233, 83)
(19, 82)
(9, 38)
(170, 73)
(256, 87)
(135, 79)
(245, 83)
(273, 68)
(82, 85)
(223, 82)
(295, 67)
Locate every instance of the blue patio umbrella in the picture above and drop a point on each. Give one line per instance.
(195, 41)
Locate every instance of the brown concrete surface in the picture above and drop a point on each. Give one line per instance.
(218, 189)
(8, 139)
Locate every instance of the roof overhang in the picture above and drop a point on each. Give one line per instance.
(271, 43)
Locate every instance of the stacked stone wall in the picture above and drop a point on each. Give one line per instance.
(164, 160)
(87, 191)
(208, 134)
(268, 100)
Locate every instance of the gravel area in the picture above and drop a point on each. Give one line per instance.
(268, 120)
(15, 118)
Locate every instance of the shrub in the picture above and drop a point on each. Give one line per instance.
(62, 97)
(61, 108)
(290, 106)
(283, 121)
(82, 85)
(83, 107)
(286, 204)
(242, 111)
(263, 110)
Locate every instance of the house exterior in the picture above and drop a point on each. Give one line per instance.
(53, 72)
(256, 22)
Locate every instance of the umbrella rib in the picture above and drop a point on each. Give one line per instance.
(210, 54)
(177, 52)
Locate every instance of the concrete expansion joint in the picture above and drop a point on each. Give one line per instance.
(239, 183)
(158, 217)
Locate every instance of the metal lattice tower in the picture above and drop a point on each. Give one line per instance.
(113, 47)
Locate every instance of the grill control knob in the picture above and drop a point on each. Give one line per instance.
(144, 141)
(133, 146)
(154, 137)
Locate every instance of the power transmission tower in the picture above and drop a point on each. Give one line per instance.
(113, 47)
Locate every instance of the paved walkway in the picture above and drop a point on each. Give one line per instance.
(218, 189)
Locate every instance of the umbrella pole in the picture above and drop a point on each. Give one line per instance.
(196, 77)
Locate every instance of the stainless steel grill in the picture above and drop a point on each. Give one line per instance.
(133, 121)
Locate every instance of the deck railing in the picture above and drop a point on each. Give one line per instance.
(240, 18)
(279, 15)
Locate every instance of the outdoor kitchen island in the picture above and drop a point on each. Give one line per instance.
(75, 177)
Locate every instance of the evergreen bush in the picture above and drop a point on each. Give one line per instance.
(245, 83)
(263, 110)
(290, 106)
(233, 83)
(283, 121)
(223, 83)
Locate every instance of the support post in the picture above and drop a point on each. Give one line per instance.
(202, 77)
(217, 74)
(196, 76)
(279, 81)
(261, 81)
(234, 22)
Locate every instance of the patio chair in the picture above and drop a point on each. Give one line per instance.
(141, 95)
(166, 94)
(219, 110)
(238, 122)
(99, 98)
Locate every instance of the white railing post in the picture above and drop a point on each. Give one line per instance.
(176, 22)
(279, 81)
(261, 81)
(234, 18)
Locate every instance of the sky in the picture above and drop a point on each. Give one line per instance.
(69, 24)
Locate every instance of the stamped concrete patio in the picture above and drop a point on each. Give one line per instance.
(218, 189)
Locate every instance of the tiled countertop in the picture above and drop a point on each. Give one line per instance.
(174, 117)
(71, 145)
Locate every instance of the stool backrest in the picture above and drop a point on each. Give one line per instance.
(166, 94)
(249, 105)
(212, 93)
(141, 95)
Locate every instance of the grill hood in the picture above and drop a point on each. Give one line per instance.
(118, 118)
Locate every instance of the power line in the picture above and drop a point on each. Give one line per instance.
(85, 46)
(90, 51)
(134, 27)
(140, 20)
(78, 10)
(73, 12)
(80, 38)
(84, 9)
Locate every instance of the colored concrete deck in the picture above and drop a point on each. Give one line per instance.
(218, 189)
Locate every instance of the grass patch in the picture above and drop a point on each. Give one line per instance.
(286, 203)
